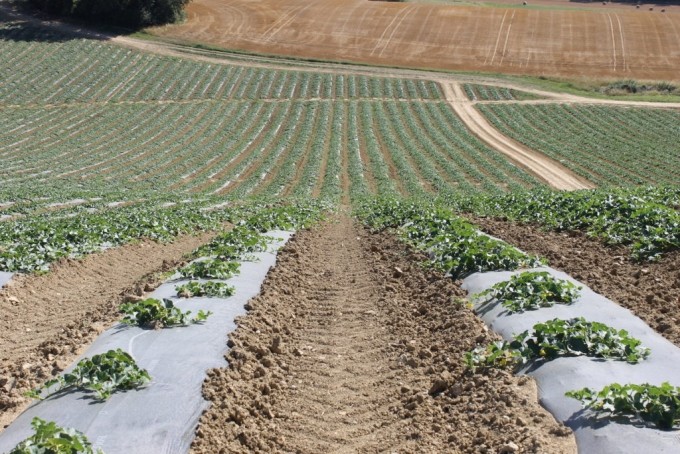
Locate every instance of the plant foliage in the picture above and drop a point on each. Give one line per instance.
(455, 246)
(532, 290)
(131, 13)
(103, 374)
(234, 244)
(659, 405)
(156, 314)
(209, 288)
(645, 219)
(554, 338)
(210, 269)
(49, 438)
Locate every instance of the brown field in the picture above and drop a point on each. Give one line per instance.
(600, 42)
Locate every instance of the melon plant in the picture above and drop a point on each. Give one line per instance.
(532, 290)
(209, 288)
(557, 337)
(102, 374)
(49, 438)
(153, 313)
(659, 405)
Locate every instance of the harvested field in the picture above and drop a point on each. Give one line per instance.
(611, 43)
(352, 347)
(47, 319)
(650, 290)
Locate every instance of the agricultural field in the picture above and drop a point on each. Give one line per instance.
(606, 145)
(613, 41)
(320, 229)
(243, 131)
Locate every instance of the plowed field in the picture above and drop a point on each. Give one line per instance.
(602, 42)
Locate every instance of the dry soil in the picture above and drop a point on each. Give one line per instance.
(353, 347)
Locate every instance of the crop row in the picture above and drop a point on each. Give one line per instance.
(244, 148)
(32, 243)
(606, 145)
(476, 92)
(454, 245)
(645, 219)
(63, 69)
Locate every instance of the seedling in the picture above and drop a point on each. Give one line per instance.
(49, 438)
(152, 313)
(210, 288)
(103, 374)
(497, 355)
(532, 290)
(659, 405)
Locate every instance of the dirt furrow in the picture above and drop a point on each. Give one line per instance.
(352, 347)
(48, 319)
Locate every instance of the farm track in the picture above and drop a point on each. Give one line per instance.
(48, 319)
(352, 347)
(651, 290)
(549, 170)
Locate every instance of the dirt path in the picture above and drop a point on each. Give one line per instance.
(550, 171)
(351, 347)
(48, 319)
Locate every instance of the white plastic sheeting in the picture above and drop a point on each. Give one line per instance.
(5, 277)
(162, 416)
(593, 434)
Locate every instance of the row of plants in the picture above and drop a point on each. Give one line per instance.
(646, 219)
(477, 92)
(116, 370)
(237, 146)
(32, 243)
(658, 405)
(454, 245)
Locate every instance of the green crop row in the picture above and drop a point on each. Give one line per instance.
(476, 92)
(645, 219)
(454, 245)
(42, 66)
(246, 148)
(33, 243)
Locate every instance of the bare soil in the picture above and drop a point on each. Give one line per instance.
(649, 290)
(47, 320)
(605, 42)
(352, 346)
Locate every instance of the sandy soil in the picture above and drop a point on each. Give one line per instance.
(352, 347)
(612, 42)
(48, 319)
(545, 168)
(650, 290)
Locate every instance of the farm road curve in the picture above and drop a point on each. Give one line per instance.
(549, 170)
